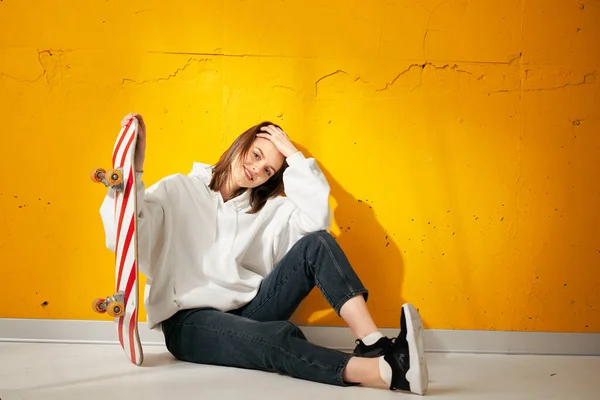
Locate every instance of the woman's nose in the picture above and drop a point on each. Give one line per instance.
(257, 166)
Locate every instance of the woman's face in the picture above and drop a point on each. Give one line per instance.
(261, 163)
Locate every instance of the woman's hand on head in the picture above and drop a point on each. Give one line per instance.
(279, 139)
(140, 147)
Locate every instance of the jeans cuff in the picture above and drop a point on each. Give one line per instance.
(340, 372)
(350, 295)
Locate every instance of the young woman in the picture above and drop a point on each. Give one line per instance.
(229, 259)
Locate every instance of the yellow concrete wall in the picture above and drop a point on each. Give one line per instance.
(461, 140)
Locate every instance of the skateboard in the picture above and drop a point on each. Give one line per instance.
(123, 304)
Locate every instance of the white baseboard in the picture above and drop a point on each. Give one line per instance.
(463, 341)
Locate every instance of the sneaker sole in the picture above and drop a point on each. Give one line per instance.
(417, 375)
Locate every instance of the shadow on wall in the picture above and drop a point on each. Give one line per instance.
(372, 253)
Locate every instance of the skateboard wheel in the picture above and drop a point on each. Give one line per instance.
(97, 174)
(115, 309)
(114, 177)
(96, 306)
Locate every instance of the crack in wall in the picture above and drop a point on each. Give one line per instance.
(339, 71)
(170, 76)
(44, 69)
(42, 59)
(284, 87)
(40, 62)
(431, 12)
(586, 81)
(231, 55)
(422, 67)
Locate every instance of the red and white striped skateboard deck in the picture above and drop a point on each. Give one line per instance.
(123, 305)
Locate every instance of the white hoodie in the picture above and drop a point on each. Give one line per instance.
(198, 251)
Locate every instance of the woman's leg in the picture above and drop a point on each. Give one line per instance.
(208, 336)
(316, 259)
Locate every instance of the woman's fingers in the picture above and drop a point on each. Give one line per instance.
(139, 118)
(272, 129)
(127, 118)
(278, 137)
(265, 136)
(267, 129)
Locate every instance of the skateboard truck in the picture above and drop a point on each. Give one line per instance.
(113, 305)
(114, 177)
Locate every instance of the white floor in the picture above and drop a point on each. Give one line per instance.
(81, 371)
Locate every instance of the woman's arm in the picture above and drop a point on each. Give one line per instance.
(306, 187)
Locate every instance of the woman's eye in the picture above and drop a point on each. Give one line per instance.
(256, 155)
(268, 172)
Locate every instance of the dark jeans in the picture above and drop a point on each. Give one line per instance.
(258, 335)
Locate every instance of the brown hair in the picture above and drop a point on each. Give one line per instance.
(259, 195)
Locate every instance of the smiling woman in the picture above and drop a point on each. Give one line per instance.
(256, 161)
(230, 260)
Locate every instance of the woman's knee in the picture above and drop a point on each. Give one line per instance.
(318, 237)
(289, 329)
